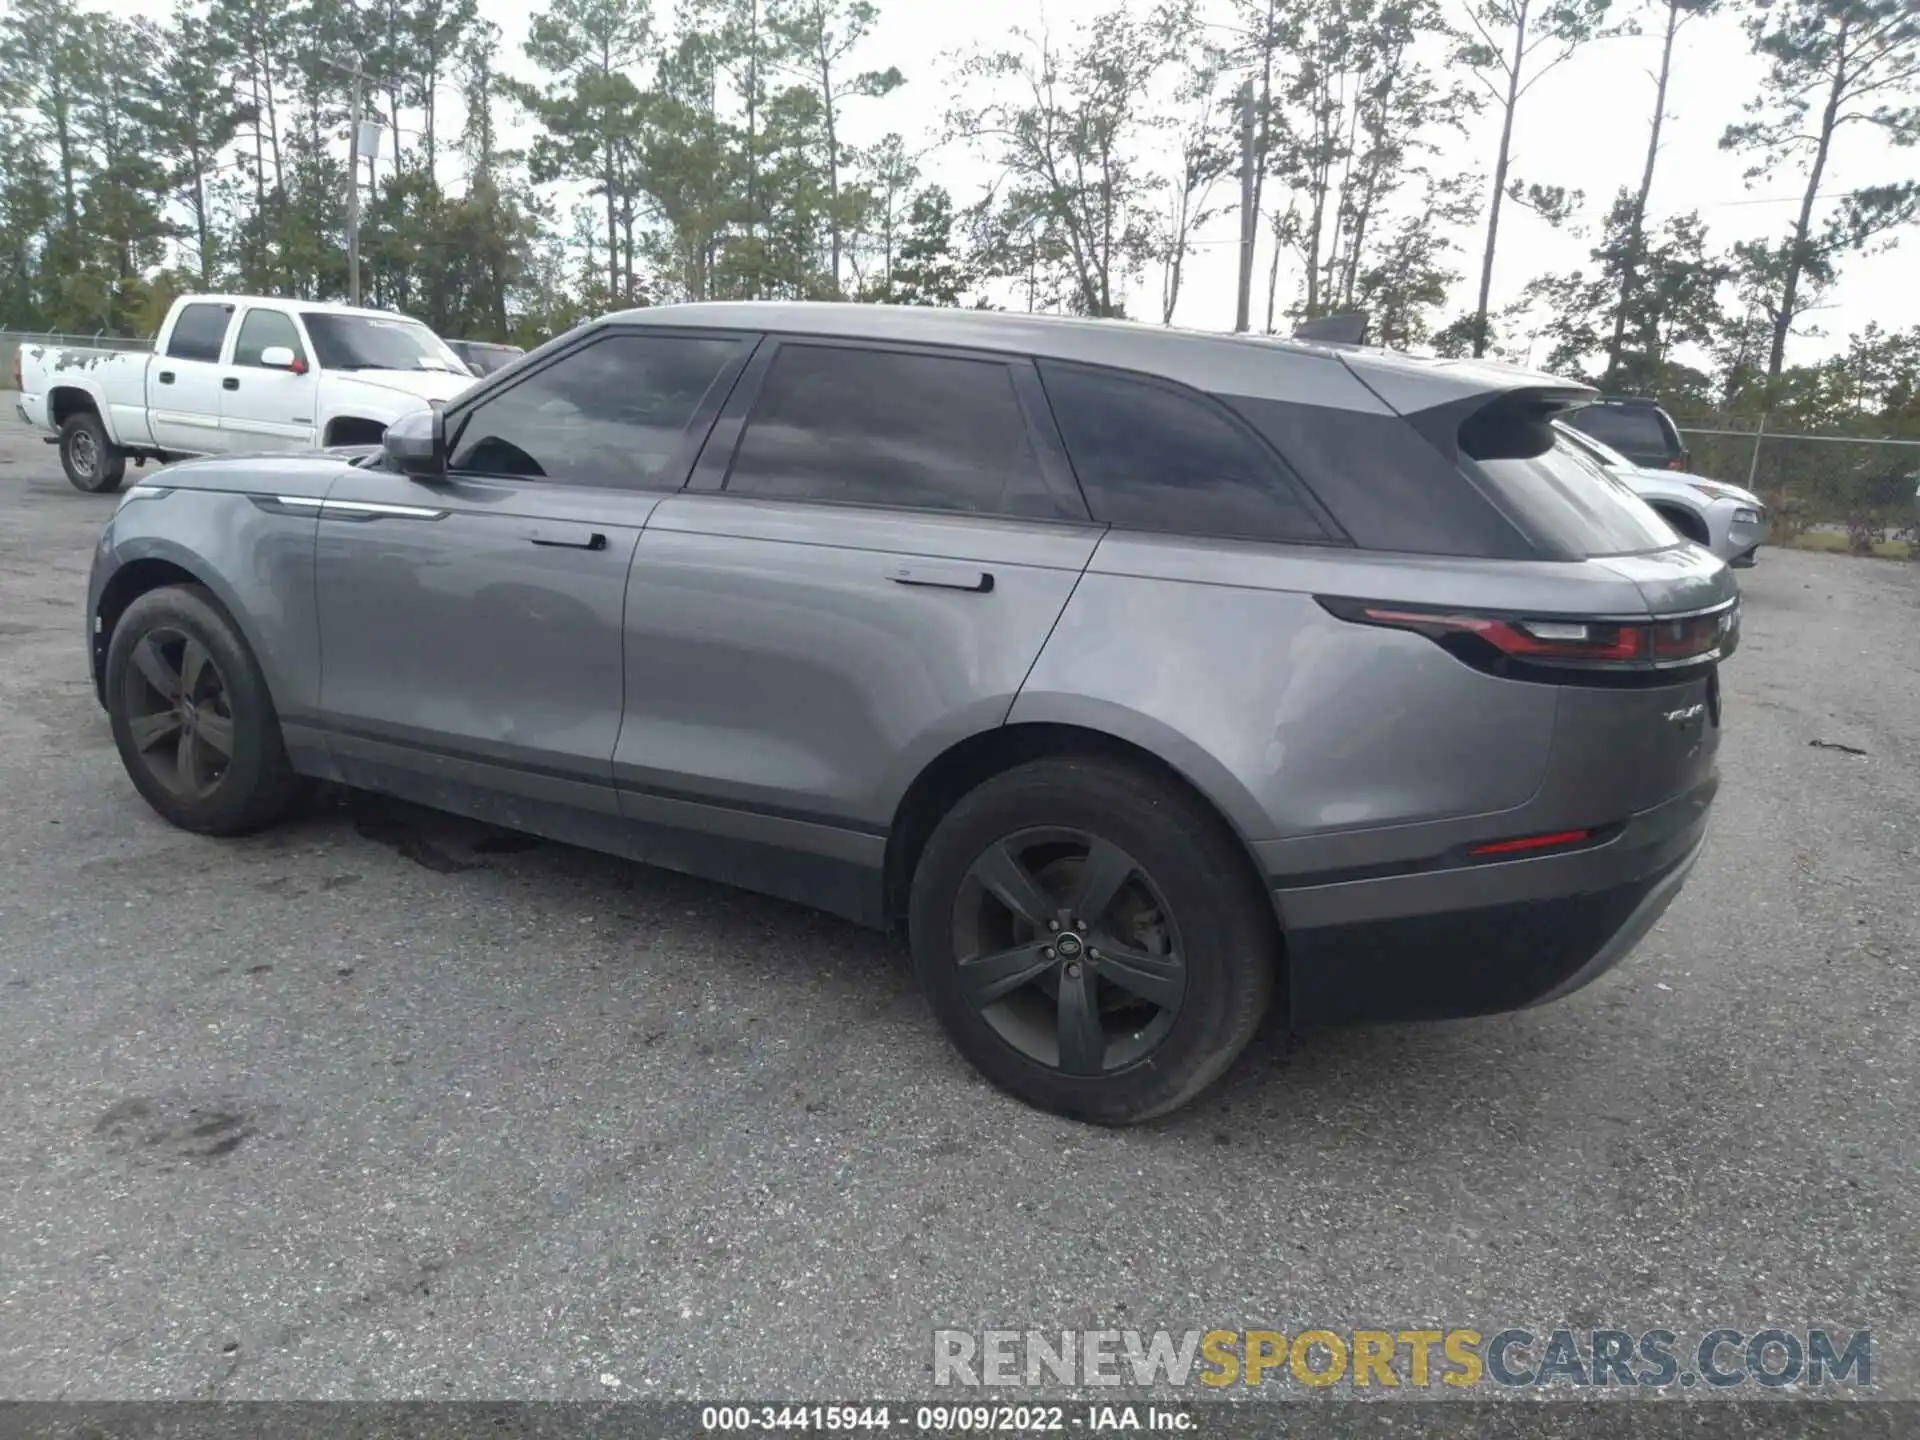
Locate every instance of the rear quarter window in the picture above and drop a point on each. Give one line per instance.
(1153, 456)
(1572, 501)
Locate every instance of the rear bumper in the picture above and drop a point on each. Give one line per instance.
(1451, 942)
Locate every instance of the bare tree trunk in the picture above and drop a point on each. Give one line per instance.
(1499, 183)
(1273, 278)
(1637, 225)
(833, 158)
(63, 136)
(1797, 255)
(1266, 121)
(202, 230)
(753, 140)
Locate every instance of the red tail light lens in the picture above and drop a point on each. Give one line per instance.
(1533, 639)
(1523, 647)
(1693, 637)
(1533, 842)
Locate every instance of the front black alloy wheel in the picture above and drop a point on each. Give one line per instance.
(192, 717)
(1092, 938)
(179, 713)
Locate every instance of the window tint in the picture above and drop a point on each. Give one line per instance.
(1577, 503)
(262, 330)
(890, 428)
(612, 414)
(1154, 458)
(1625, 427)
(1385, 483)
(199, 332)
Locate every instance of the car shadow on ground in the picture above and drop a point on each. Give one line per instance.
(1402, 1089)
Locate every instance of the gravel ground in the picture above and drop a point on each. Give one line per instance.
(386, 1105)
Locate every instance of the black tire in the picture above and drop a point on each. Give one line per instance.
(94, 464)
(253, 785)
(1686, 526)
(1218, 926)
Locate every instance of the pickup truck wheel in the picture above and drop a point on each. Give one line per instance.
(93, 463)
(192, 718)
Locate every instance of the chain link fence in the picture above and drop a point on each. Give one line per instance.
(1865, 489)
(12, 340)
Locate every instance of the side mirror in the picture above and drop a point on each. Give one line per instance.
(280, 357)
(416, 445)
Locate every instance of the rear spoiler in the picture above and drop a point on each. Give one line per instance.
(1499, 425)
(1347, 328)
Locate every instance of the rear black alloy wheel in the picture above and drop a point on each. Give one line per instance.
(1064, 947)
(179, 714)
(1092, 937)
(192, 716)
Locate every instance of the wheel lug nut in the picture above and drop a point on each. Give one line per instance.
(1093, 954)
(1048, 952)
(1053, 924)
(1073, 970)
(1080, 925)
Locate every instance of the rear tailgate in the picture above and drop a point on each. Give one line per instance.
(1638, 723)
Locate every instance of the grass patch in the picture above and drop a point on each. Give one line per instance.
(1829, 543)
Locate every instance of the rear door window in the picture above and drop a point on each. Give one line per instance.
(844, 424)
(1152, 456)
(198, 332)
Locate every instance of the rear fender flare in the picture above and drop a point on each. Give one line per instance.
(1193, 762)
(65, 386)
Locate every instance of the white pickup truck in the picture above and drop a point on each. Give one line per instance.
(232, 373)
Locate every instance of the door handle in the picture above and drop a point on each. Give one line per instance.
(166, 377)
(232, 382)
(569, 538)
(946, 577)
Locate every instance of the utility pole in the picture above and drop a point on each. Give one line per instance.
(357, 130)
(1249, 222)
(353, 190)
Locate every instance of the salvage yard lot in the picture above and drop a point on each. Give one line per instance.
(387, 1104)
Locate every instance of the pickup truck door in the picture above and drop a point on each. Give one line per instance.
(183, 381)
(264, 407)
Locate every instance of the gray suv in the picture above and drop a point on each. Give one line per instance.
(1138, 676)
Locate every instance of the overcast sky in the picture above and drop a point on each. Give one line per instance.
(1584, 128)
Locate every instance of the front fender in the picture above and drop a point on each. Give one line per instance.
(257, 559)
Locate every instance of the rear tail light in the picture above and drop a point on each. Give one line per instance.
(1558, 648)
(1554, 841)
